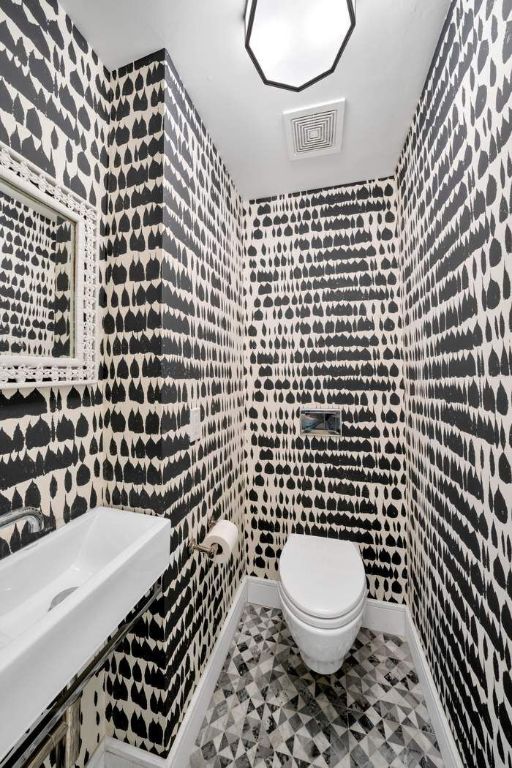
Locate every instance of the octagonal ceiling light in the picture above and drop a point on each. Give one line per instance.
(295, 43)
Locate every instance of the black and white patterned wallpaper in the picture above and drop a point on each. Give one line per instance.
(455, 190)
(173, 339)
(323, 329)
(54, 110)
(203, 323)
(323, 276)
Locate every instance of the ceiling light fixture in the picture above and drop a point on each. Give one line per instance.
(295, 43)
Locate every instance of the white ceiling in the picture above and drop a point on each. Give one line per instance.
(381, 75)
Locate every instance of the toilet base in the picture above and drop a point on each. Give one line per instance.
(322, 650)
(321, 667)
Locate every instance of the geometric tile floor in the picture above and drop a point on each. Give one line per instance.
(269, 710)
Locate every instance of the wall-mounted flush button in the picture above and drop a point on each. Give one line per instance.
(194, 427)
(322, 422)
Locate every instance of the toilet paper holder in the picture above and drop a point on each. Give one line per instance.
(210, 551)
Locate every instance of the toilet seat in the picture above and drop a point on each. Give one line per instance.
(322, 580)
(319, 623)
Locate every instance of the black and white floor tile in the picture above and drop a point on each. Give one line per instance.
(269, 710)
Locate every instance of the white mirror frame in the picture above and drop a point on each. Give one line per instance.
(22, 371)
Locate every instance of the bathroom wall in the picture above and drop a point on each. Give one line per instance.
(132, 336)
(323, 329)
(203, 348)
(173, 336)
(322, 275)
(54, 110)
(455, 191)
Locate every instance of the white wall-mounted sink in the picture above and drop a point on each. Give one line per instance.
(93, 571)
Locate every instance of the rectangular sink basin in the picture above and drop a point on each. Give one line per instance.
(60, 599)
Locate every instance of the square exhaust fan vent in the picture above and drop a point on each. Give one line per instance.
(315, 131)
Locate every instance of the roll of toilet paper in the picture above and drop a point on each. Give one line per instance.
(225, 534)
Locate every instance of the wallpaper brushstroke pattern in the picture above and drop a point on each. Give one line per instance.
(54, 110)
(173, 334)
(325, 274)
(323, 329)
(455, 185)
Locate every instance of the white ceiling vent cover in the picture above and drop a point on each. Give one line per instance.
(315, 131)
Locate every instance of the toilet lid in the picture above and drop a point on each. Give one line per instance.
(323, 577)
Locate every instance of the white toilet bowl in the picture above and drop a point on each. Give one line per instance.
(323, 596)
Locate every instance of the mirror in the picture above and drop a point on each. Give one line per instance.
(37, 285)
(48, 279)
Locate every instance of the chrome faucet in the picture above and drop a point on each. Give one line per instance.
(32, 515)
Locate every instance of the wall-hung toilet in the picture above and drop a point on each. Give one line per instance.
(323, 594)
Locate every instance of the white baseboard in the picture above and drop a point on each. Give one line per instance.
(117, 754)
(379, 616)
(447, 745)
(98, 758)
(263, 592)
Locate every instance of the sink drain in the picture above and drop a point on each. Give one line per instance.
(60, 597)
